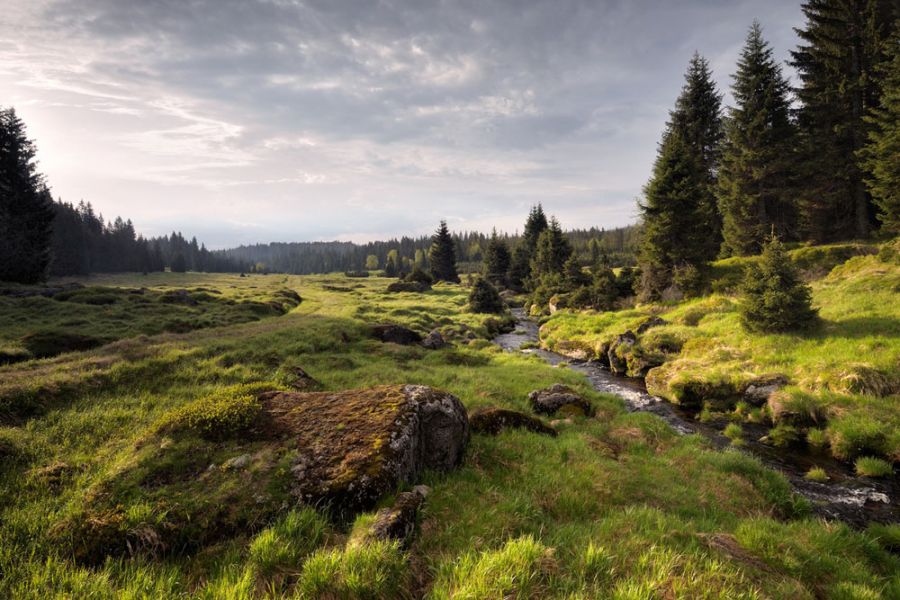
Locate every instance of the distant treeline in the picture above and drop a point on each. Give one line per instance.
(302, 258)
(82, 243)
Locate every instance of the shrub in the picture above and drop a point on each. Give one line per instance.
(44, 344)
(817, 438)
(773, 297)
(484, 298)
(783, 435)
(869, 466)
(817, 474)
(217, 416)
(282, 546)
(359, 274)
(417, 275)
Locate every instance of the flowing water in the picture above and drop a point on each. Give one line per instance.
(856, 500)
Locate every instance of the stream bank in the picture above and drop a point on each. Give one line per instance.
(846, 497)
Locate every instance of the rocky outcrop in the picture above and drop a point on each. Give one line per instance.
(559, 398)
(397, 522)
(757, 393)
(396, 334)
(619, 350)
(356, 445)
(491, 421)
(434, 341)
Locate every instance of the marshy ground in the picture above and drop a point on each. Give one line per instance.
(617, 505)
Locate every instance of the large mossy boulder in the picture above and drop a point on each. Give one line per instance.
(356, 445)
(559, 398)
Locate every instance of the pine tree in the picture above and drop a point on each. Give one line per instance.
(698, 118)
(484, 297)
(672, 219)
(681, 225)
(573, 275)
(26, 207)
(552, 252)
(774, 299)
(843, 43)
(882, 155)
(496, 260)
(755, 192)
(442, 255)
(520, 267)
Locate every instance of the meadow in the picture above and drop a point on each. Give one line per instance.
(617, 506)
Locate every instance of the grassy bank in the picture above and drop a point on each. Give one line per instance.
(616, 506)
(843, 377)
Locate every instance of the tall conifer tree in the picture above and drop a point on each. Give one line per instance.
(496, 260)
(681, 225)
(882, 155)
(520, 267)
(837, 62)
(442, 255)
(755, 192)
(26, 207)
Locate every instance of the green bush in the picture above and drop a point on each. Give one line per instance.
(417, 275)
(817, 474)
(220, 415)
(856, 434)
(735, 433)
(484, 298)
(869, 466)
(773, 297)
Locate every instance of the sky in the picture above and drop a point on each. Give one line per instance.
(245, 121)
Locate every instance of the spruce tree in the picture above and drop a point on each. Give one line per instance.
(520, 266)
(681, 225)
(442, 255)
(552, 252)
(774, 299)
(484, 297)
(26, 207)
(755, 192)
(698, 118)
(837, 62)
(882, 155)
(496, 260)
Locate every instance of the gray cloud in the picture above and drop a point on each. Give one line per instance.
(289, 119)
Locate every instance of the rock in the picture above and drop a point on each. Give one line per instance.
(553, 305)
(356, 445)
(398, 523)
(557, 423)
(238, 462)
(573, 349)
(300, 380)
(619, 350)
(757, 393)
(559, 398)
(492, 421)
(434, 341)
(650, 323)
(396, 334)
(408, 286)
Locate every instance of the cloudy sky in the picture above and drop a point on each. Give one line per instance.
(260, 120)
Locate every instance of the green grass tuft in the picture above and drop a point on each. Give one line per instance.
(869, 466)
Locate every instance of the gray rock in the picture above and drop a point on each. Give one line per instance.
(396, 334)
(238, 462)
(559, 398)
(434, 341)
(399, 521)
(619, 350)
(759, 391)
(650, 323)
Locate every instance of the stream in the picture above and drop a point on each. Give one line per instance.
(846, 497)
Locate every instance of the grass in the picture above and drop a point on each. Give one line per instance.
(817, 474)
(869, 466)
(137, 437)
(842, 377)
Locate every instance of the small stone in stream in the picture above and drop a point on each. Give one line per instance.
(434, 341)
(398, 523)
(396, 334)
(492, 421)
(759, 391)
(559, 398)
